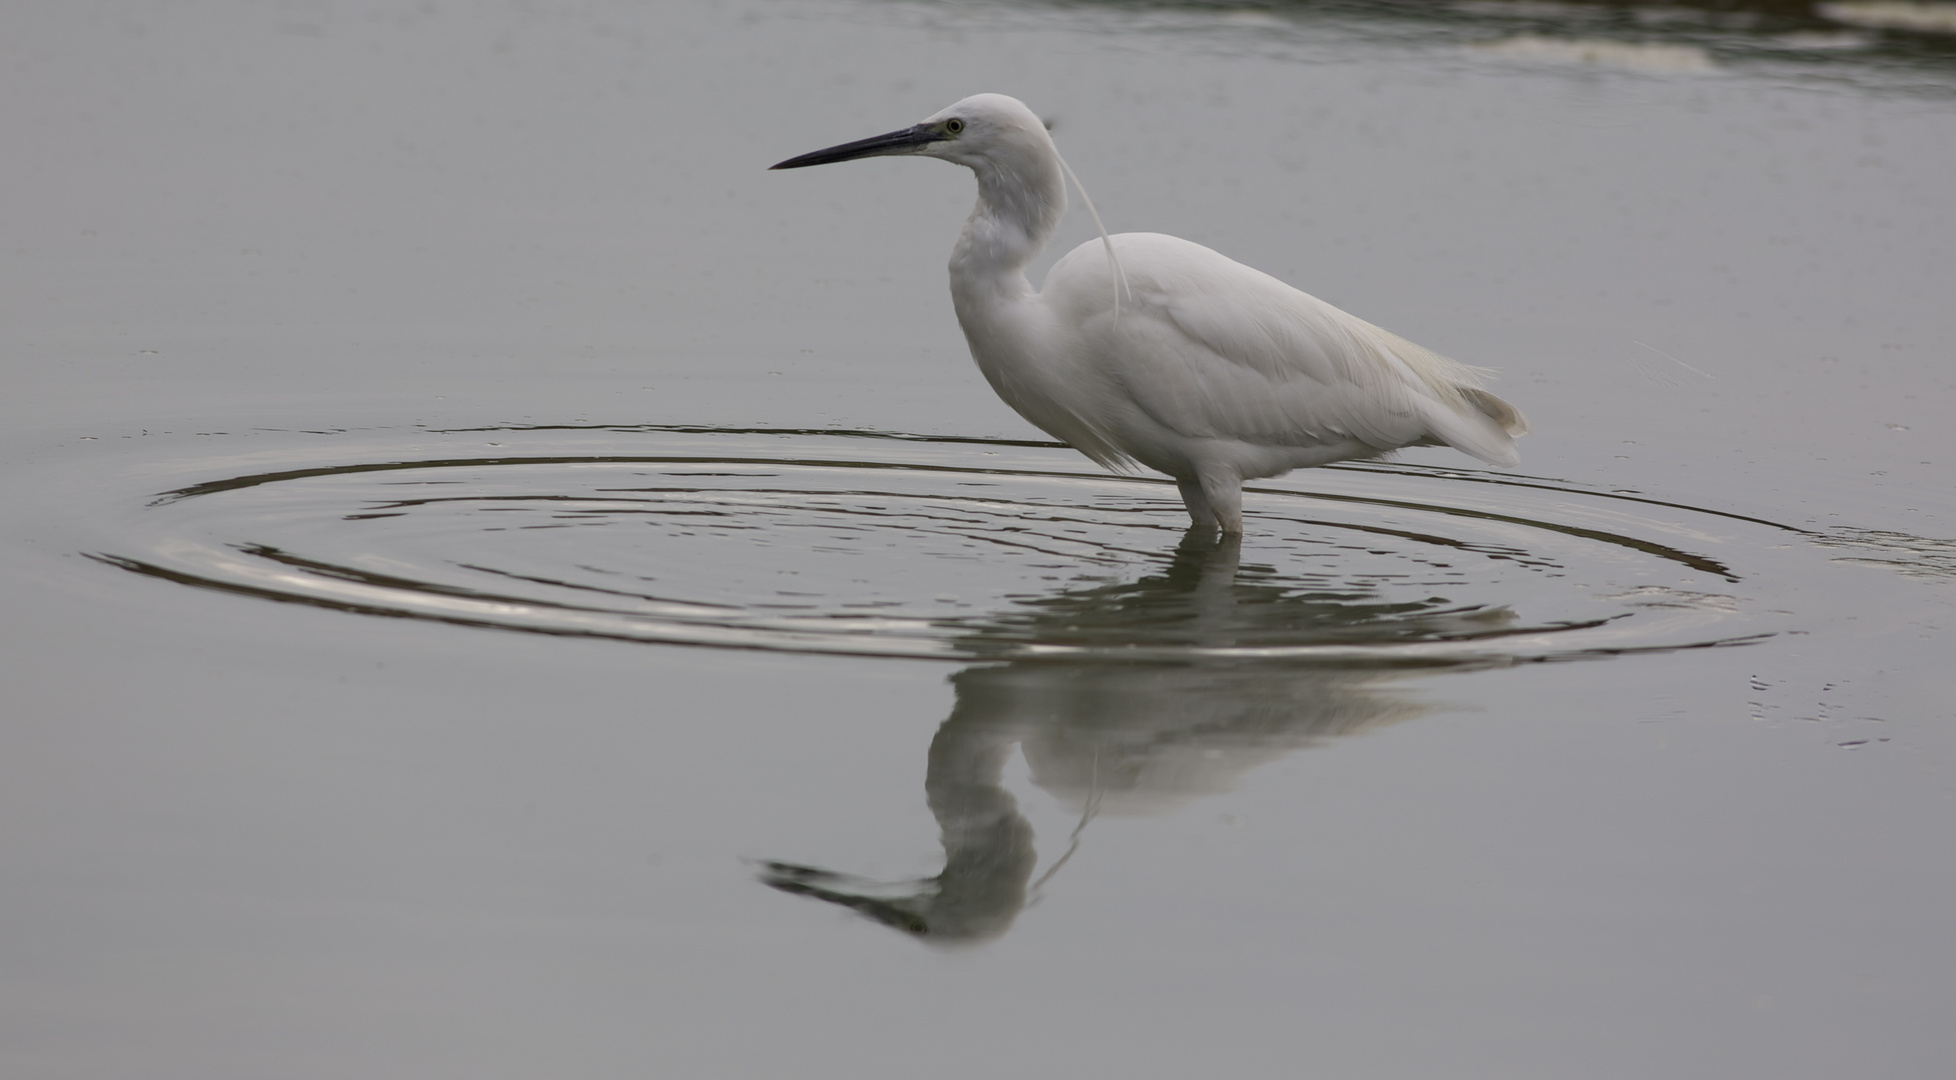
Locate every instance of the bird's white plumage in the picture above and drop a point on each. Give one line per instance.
(1166, 353)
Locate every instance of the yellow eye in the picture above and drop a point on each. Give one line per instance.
(953, 127)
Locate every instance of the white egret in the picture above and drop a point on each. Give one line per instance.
(1164, 353)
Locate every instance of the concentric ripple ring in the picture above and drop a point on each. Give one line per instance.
(876, 544)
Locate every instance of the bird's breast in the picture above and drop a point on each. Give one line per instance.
(1036, 365)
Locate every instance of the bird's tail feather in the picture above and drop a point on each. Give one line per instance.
(1495, 409)
(1486, 430)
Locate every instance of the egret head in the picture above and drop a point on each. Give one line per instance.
(1021, 178)
(981, 129)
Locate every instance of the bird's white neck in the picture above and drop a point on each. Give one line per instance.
(1020, 203)
(1004, 321)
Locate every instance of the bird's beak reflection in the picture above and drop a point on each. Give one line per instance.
(908, 141)
(837, 889)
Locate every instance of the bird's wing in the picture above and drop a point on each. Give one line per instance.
(1214, 349)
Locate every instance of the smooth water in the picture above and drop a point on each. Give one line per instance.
(500, 584)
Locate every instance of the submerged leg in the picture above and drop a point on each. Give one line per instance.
(1215, 501)
(1200, 513)
(1225, 496)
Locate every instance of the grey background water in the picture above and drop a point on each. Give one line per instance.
(249, 838)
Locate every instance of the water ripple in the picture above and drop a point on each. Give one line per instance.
(894, 545)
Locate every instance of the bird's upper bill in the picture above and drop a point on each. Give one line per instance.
(910, 140)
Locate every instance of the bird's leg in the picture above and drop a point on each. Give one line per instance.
(1214, 501)
(1224, 494)
(1199, 511)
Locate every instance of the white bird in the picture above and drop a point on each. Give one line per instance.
(1163, 352)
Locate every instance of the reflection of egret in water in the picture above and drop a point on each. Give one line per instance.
(1113, 737)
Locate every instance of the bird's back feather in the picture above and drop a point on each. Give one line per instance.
(1211, 349)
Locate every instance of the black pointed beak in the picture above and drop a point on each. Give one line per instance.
(908, 141)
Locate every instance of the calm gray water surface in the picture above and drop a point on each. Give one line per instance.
(549, 529)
